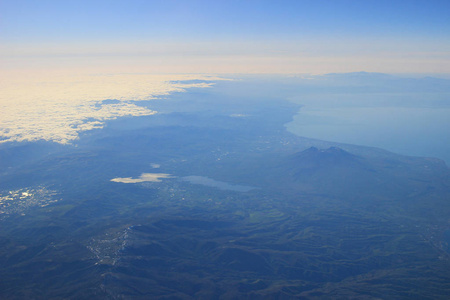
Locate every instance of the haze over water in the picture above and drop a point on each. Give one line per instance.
(410, 120)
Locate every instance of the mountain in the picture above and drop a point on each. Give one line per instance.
(313, 160)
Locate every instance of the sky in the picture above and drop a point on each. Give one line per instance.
(300, 36)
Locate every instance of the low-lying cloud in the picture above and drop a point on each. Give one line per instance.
(58, 108)
(145, 177)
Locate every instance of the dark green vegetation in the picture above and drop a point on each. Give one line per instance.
(325, 221)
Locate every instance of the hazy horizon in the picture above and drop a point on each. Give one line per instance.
(226, 36)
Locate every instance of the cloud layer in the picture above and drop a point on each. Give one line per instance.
(58, 107)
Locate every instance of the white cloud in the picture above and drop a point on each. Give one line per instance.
(145, 177)
(58, 107)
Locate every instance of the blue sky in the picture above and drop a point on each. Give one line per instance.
(376, 33)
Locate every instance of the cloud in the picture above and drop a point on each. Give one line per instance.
(145, 177)
(58, 107)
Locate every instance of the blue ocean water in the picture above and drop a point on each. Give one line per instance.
(405, 121)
